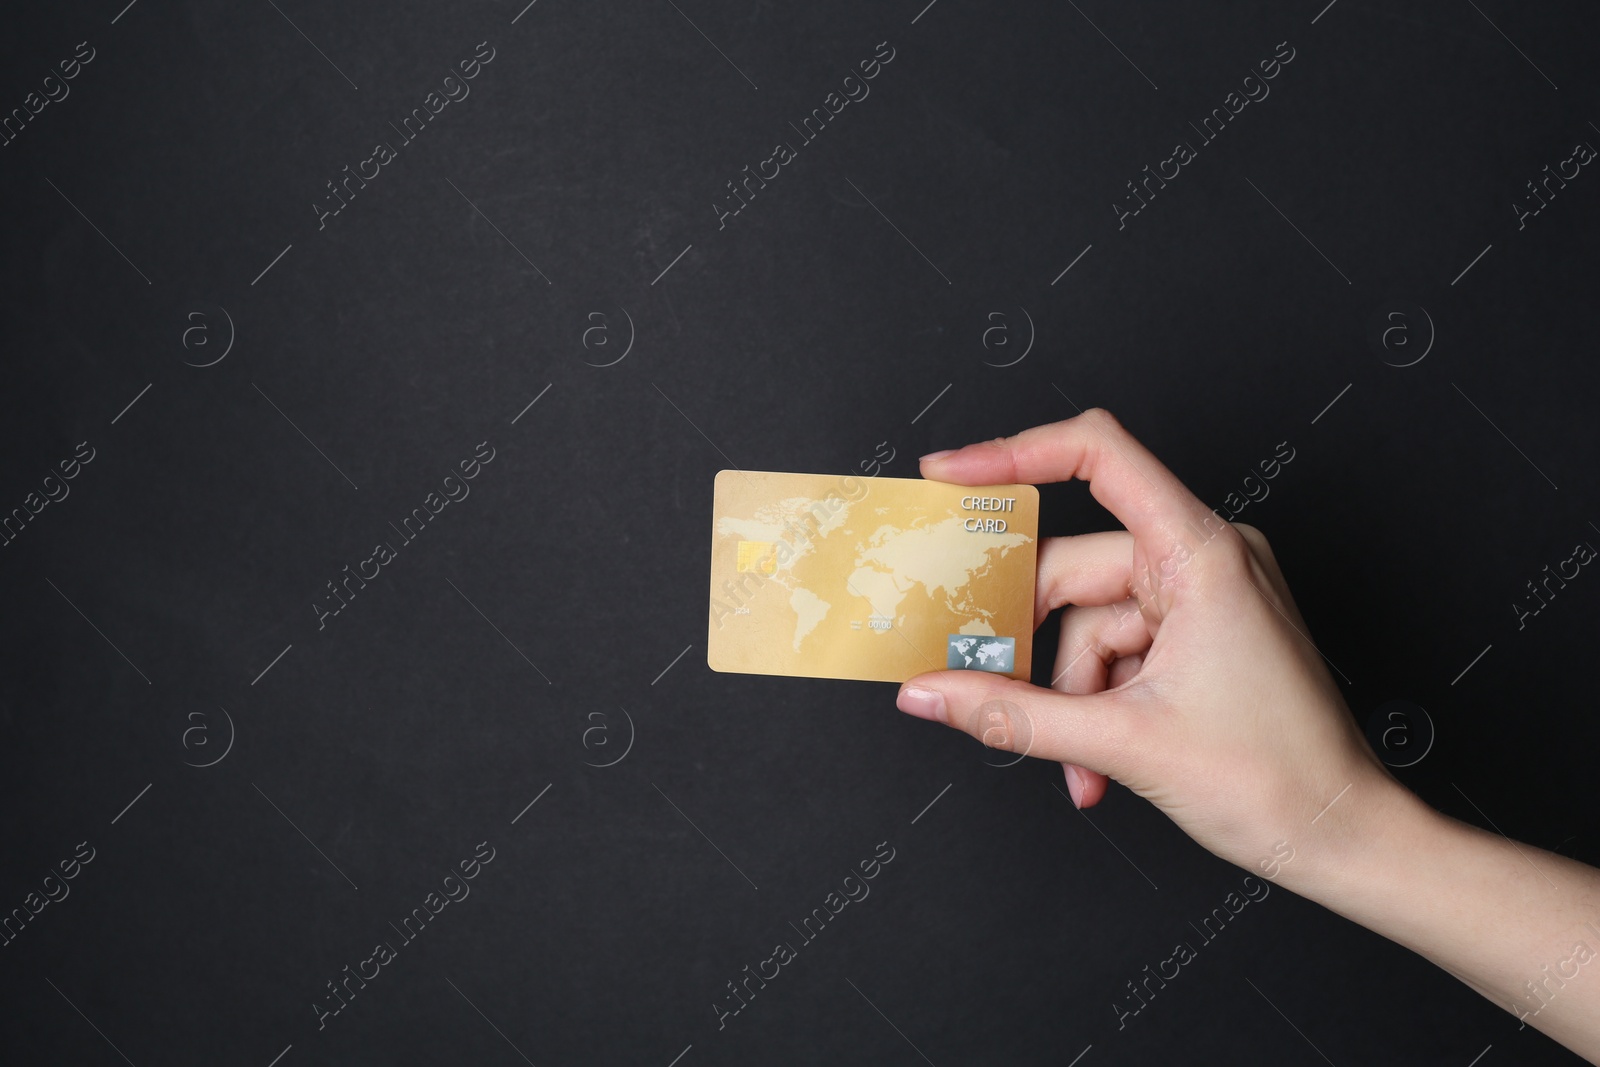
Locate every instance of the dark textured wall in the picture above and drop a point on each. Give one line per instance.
(253, 380)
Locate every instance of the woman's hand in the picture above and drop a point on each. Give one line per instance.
(1184, 670)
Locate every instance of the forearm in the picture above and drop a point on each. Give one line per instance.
(1518, 924)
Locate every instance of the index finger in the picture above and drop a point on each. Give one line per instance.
(1122, 474)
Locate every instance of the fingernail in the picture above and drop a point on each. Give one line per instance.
(937, 455)
(1075, 785)
(923, 703)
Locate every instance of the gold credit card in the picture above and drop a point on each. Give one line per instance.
(876, 579)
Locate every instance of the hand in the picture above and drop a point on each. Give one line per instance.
(1184, 670)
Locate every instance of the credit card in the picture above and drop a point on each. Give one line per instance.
(874, 579)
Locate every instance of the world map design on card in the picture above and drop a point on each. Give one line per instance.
(874, 579)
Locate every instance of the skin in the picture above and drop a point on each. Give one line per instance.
(1186, 673)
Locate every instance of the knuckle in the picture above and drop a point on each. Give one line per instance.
(1253, 537)
(1226, 556)
(1104, 420)
(1266, 558)
(1102, 651)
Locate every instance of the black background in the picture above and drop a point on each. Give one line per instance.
(177, 580)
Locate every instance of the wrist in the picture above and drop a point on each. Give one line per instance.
(1355, 856)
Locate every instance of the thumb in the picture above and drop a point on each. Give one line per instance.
(1091, 730)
